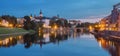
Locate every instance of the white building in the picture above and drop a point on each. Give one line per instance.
(20, 22)
(46, 23)
(4, 23)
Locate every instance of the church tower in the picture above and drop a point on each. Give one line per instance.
(41, 14)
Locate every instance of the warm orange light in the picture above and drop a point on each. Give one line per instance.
(6, 24)
(55, 27)
(114, 25)
(106, 24)
(19, 25)
(11, 38)
(6, 41)
(101, 42)
(110, 28)
(96, 25)
(52, 32)
(0, 23)
(102, 25)
(19, 37)
(0, 42)
(30, 17)
(102, 28)
(106, 28)
(46, 35)
(46, 26)
(90, 28)
(10, 25)
(99, 25)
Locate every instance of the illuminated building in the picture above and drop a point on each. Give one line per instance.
(40, 17)
(115, 17)
(112, 22)
(20, 22)
(46, 23)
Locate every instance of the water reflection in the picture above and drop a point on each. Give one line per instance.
(10, 41)
(40, 39)
(113, 47)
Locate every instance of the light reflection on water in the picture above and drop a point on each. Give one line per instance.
(111, 46)
(41, 39)
(65, 43)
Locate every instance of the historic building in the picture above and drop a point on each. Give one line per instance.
(115, 17)
(20, 22)
(113, 20)
(41, 18)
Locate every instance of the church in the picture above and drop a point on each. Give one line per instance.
(41, 18)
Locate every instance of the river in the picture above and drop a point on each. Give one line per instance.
(54, 44)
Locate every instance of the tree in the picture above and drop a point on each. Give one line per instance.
(27, 18)
(0, 19)
(62, 22)
(65, 23)
(52, 21)
(36, 25)
(59, 21)
(10, 19)
(13, 21)
(27, 23)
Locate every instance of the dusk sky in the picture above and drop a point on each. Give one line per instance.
(70, 9)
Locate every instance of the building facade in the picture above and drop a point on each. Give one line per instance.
(113, 20)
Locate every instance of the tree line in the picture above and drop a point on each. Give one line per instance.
(32, 25)
(10, 19)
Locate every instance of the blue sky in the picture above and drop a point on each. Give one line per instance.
(70, 9)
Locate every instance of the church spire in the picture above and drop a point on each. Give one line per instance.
(41, 14)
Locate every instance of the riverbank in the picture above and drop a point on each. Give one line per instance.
(13, 31)
(109, 35)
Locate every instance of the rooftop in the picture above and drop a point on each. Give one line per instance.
(117, 5)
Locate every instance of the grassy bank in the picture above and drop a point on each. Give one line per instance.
(13, 30)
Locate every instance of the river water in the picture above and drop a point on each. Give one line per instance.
(54, 44)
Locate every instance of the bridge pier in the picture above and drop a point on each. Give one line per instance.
(78, 29)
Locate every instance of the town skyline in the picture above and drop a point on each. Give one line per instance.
(59, 27)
